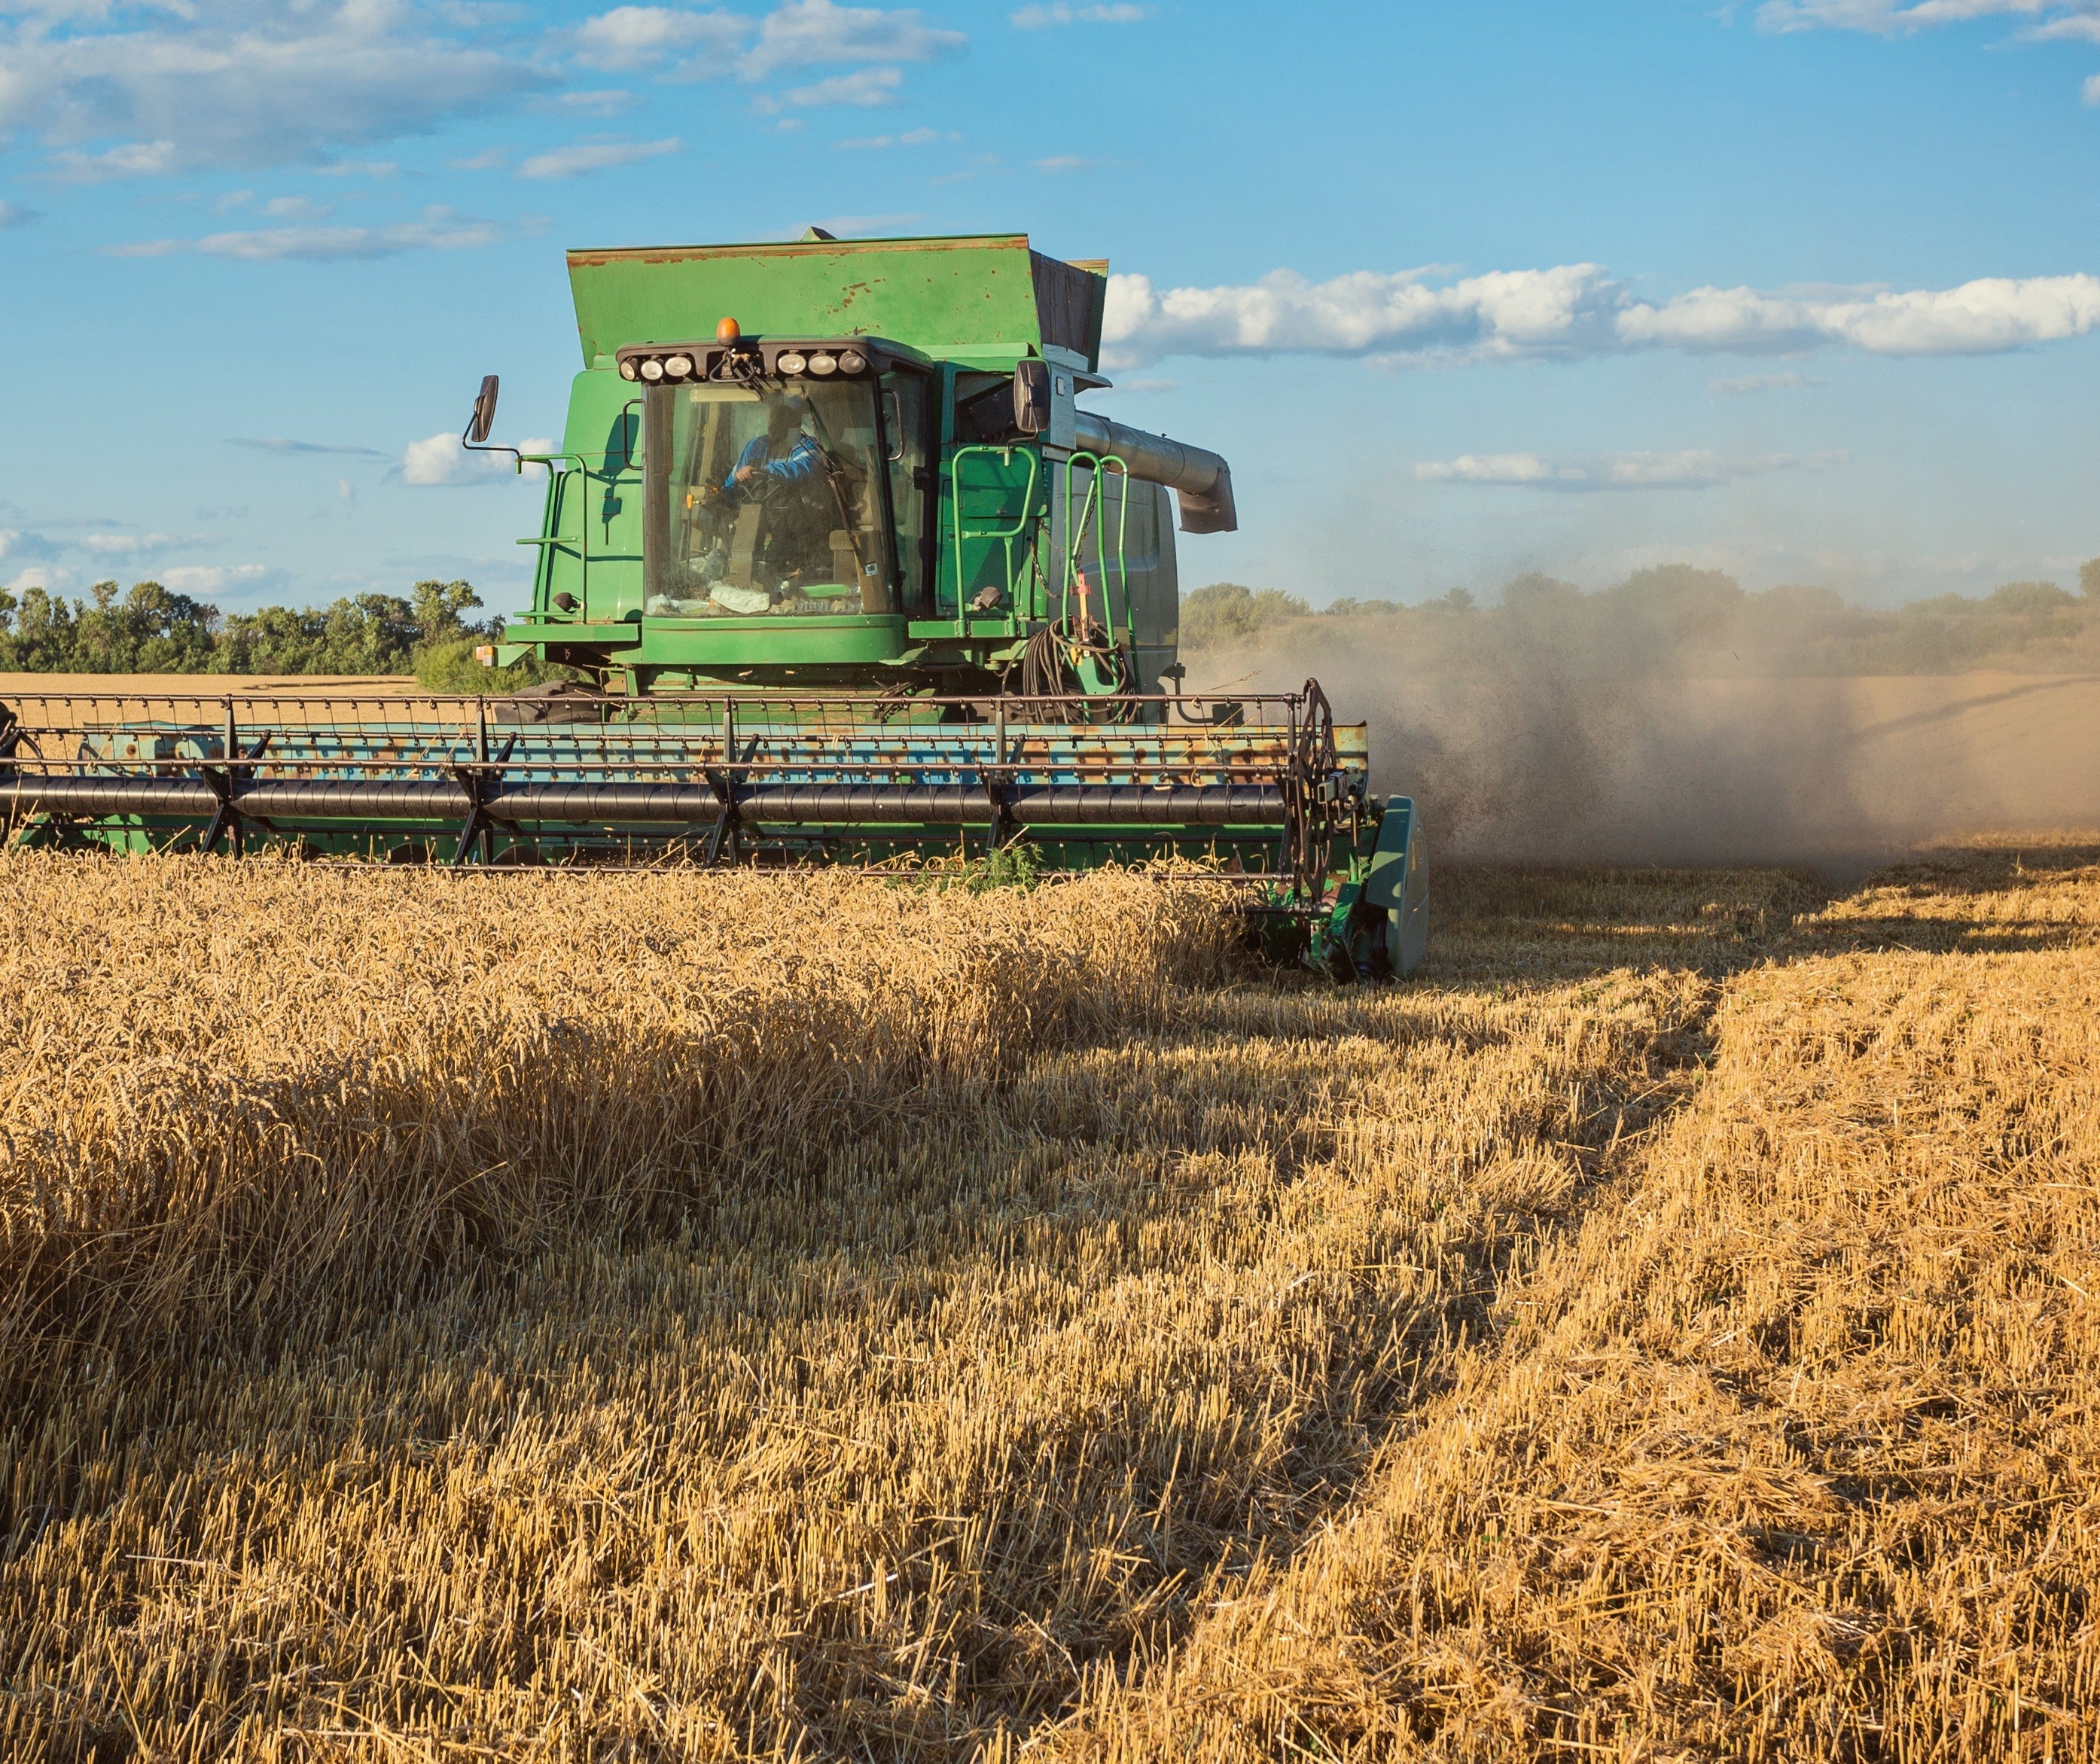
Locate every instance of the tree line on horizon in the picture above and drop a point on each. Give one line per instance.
(152, 630)
(1679, 614)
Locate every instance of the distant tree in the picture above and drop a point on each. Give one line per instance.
(2089, 578)
(1681, 602)
(2027, 599)
(437, 608)
(1533, 590)
(150, 629)
(1226, 612)
(44, 629)
(1803, 598)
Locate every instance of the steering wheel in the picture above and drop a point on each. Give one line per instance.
(758, 487)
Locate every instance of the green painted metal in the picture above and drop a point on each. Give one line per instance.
(1377, 924)
(1090, 518)
(967, 308)
(590, 535)
(965, 299)
(985, 556)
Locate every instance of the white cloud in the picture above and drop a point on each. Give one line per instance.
(680, 44)
(135, 159)
(442, 463)
(1496, 468)
(2091, 90)
(2047, 20)
(608, 103)
(197, 579)
(439, 230)
(52, 577)
(11, 214)
(297, 208)
(1577, 311)
(329, 245)
(1065, 162)
(815, 33)
(135, 545)
(794, 39)
(864, 86)
(1036, 18)
(1888, 17)
(1980, 317)
(657, 39)
(244, 83)
(1736, 385)
(278, 444)
(909, 137)
(1568, 310)
(1693, 469)
(593, 155)
(488, 160)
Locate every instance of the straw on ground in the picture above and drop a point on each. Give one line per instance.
(664, 1316)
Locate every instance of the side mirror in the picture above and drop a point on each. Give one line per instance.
(1031, 396)
(483, 419)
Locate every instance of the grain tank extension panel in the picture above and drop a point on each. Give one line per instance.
(960, 298)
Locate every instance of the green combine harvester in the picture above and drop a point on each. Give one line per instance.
(843, 573)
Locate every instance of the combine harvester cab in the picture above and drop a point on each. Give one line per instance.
(844, 574)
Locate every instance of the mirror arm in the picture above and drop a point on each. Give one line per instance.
(518, 459)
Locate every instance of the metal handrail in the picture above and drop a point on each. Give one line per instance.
(1005, 535)
(1098, 465)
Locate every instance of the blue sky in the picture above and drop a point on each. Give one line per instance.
(1804, 290)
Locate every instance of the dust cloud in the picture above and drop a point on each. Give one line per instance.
(1558, 727)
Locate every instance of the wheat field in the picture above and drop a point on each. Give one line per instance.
(668, 1317)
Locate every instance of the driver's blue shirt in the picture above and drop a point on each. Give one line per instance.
(800, 461)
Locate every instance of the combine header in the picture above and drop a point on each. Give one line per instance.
(844, 575)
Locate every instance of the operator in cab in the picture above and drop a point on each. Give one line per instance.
(785, 452)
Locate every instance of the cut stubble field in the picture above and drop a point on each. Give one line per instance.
(713, 1317)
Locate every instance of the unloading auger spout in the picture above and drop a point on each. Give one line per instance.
(1200, 479)
(832, 568)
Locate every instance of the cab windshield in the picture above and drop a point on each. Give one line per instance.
(764, 500)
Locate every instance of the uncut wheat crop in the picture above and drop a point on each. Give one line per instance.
(698, 1316)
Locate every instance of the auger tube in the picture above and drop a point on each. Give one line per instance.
(1200, 479)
